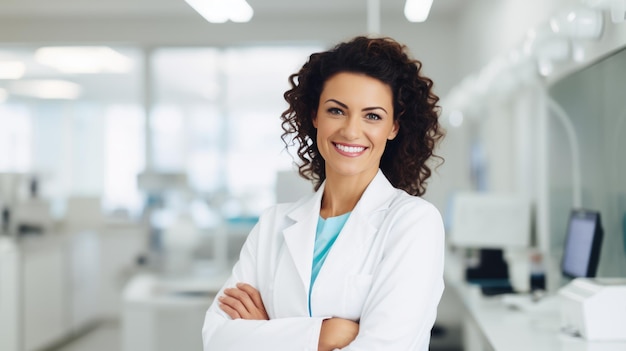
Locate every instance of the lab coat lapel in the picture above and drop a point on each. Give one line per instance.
(300, 236)
(360, 227)
(363, 222)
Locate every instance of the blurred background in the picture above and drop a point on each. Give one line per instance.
(140, 141)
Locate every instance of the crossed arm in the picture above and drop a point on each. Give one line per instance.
(244, 302)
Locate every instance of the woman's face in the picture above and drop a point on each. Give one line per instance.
(354, 120)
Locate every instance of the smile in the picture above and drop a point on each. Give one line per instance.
(349, 150)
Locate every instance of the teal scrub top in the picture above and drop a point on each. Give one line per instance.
(327, 232)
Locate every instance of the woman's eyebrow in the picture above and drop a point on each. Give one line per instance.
(375, 108)
(365, 109)
(337, 102)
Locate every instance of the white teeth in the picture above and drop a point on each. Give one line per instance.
(350, 149)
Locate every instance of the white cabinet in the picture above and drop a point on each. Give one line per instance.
(84, 268)
(44, 290)
(120, 246)
(9, 297)
(49, 288)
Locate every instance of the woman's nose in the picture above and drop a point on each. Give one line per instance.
(351, 128)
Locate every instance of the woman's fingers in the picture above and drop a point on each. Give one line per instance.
(233, 307)
(242, 297)
(239, 301)
(244, 302)
(258, 311)
(230, 311)
(253, 293)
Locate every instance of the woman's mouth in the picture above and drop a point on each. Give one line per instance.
(349, 150)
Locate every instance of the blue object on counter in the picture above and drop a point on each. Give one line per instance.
(245, 220)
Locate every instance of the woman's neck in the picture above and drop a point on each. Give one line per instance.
(341, 195)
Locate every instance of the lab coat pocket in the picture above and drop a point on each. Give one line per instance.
(356, 290)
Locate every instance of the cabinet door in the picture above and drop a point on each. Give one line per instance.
(84, 269)
(44, 291)
(9, 299)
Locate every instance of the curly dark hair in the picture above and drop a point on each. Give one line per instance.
(404, 161)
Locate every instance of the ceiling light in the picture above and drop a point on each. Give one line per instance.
(83, 59)
(11, 69)
(47, 89)
(220, 11)
(417, 10)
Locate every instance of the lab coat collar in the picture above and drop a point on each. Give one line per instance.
(361, 225)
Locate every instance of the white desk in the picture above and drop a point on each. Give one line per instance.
(490, 325)
(166, 314)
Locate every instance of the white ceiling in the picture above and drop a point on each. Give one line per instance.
(160, 8)
(80, 11)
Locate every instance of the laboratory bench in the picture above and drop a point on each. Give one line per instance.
(517, 323)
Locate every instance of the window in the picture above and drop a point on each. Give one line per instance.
(217, 118)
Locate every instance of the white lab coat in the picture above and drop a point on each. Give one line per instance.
(385, 270)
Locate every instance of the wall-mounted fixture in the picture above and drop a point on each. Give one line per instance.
(547, 47)
(617, 8)
(221, 11)
(417, 10)
(559, 40)
(578, 22)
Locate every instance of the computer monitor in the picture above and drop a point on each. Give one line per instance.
(582, 244)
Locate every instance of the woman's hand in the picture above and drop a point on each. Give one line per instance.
(337, 333)
(243, 302)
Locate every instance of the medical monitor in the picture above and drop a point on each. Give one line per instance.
(582, 244)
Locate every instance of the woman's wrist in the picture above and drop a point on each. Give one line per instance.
(337, 333)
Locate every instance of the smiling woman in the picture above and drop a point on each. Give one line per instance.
(354, 121)
(359, 264)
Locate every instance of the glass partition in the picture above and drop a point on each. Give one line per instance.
(216, 118)
(72, 118)
(593, 100)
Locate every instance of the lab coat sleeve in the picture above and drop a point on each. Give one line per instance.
(401, 308)
(221, 333)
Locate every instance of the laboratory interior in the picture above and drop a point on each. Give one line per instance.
(140, 140)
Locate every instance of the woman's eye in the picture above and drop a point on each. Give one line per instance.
(372, 116)
(335, 111)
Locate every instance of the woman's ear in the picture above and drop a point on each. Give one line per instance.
(314, 119)
(394, 131)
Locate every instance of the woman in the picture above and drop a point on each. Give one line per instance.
(359, 264)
